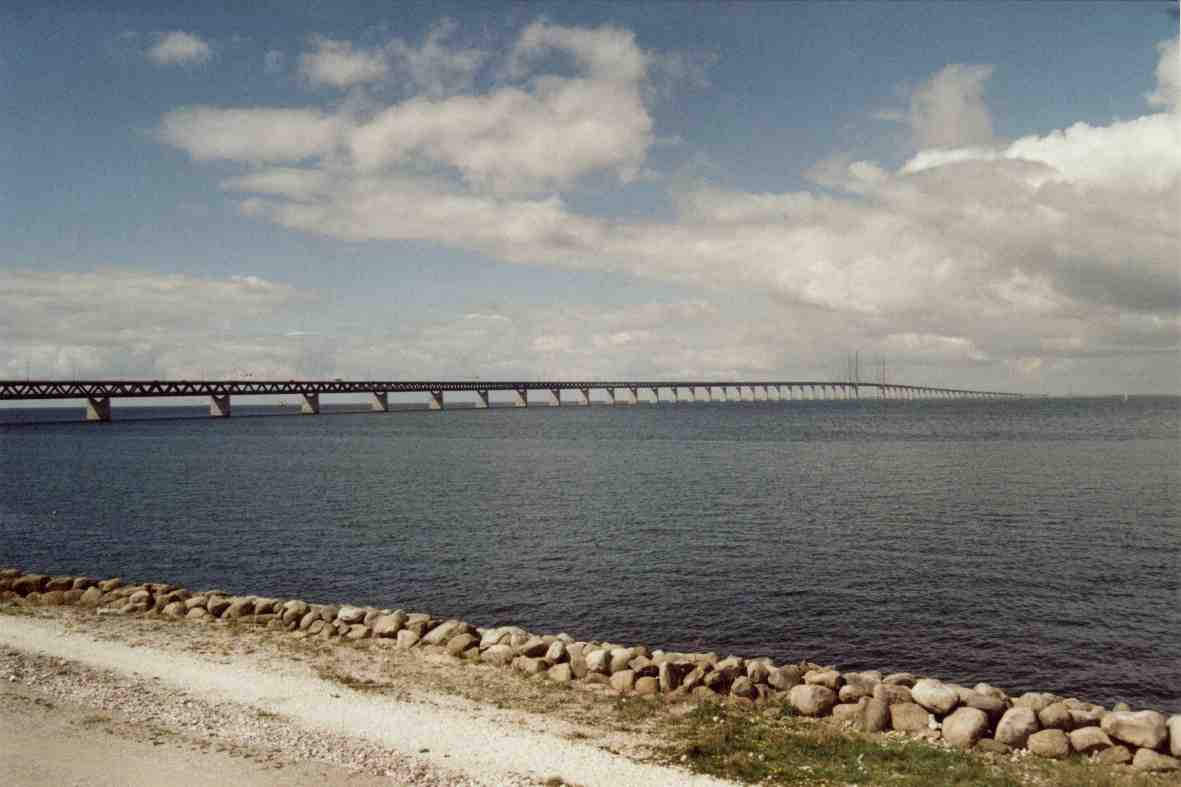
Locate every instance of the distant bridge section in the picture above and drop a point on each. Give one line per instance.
(99, 393)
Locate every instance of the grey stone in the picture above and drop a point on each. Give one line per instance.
(812, 700)
(494, 636)
(1056, 717)
(534, 648)
(443, 632)
(993, 746)
(830, 679)
(934, 696)
(1051, 744)
(1174, 727)
(1116, 755)
(1144, 728)
(498, 655)
(91, 597)
(560, 673)
(1016, 726)
(909, 717)
(1035, 700)
(358, 631)
(875, 717)
(899, 679)
(1148, 760)
(1088, 740)
(784, 678)
(556, 654)
(848, 712)
(892, 693)
(294, 610)
(389, 625)
(647, 686)
(530, 665)
(623, 681)
(460, 643)
(407, 639)
(964, 726)
(991, 705)
(743, 687)
(350, 615)
(1087, 715)
(197, 613)
(599, 661)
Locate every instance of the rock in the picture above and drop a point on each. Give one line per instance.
(599, 661)
(875, 716)
(647, 686)
(899, 679)
(358, 631)
(993, 746)
(53, 598)
(196, 601)
(495, 636)
(963, 727)
(316, 627)
(59, 583)
(992, 706)
(892, 694)
(307, 620)
(530, 665)
(29, 583)
(830, 679)
(1174, 727)
(144, 597)
(1088, 740)
(407, 639)
(812, 700)
(623, 681)
(730, 668)
(935, 696)
(534, 648)
(784, 678)
(848, 712)
(1035, 700)
(498, 655)
(216, 605)
(671, 674)
(1144, 728)
(83, 583)
(443, 632)
(239, 607)
(197, 613)
(175, 610)
(1148, 760)
(560, 673)
(556, 654)
(388, 626)
(460, 643)
(1116, 755)
(693, 679)
(91, 597)
(621, 659)
(293, 611)
(350, 615)
(743, 687)
(108, 585)
(1051, 744)
(1056, 717)
(1016, 726)
(909, 717)
(1121, 707)
(1087, 715)
(328, 613)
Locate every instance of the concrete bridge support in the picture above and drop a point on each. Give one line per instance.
(380, 403)
(436, 402)
(555, 395)
(583, 399)
(311, 404)
(482, 402)
(522, 399)
(219, 406)
(98, 409)
(655, 395)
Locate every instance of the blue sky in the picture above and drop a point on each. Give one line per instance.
(981, 194)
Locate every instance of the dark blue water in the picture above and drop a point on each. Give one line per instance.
(1034, 544)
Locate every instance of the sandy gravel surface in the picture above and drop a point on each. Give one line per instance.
(136, 699)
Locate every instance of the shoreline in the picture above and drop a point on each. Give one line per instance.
(977, 719)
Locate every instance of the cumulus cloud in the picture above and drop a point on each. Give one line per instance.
(180, 48)
(118, 320)
(338, 64)
(1054, 248)
(436, 68)
(949, 109)
(1168, 76)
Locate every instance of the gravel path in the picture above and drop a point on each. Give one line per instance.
(280, 718)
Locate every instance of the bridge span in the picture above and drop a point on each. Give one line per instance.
(98, 393)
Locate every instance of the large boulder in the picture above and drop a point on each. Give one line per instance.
(935, 696)
(993, 706)
(560, 673)
(892, 694)
(293, 611)
(1144, 728)
(1035, 700)
(875, 717)
(963, 727)
(498, 654)
(599, 661)
(848, 712)
(91, 597)
(1088, 740)
(812, 700)
(1016, 726)
(351, 615)
(909, 717)
(443, 632)
(385, 626)
(1174, 727)
(30, 583)
(1056, 717)
(829, 678)
(1116, 755)
(1148, 760)
(623, 681)
(1051, 744)
(784, 678)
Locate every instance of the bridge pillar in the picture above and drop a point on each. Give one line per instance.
(482, 399)
(98, 409)
(773, 394)
(311, 404)
(522, 399)
(219, 406)
(436, 401)
(633, 395)
(381, 402)
(555, 397)
(656, 395)
(584, 397)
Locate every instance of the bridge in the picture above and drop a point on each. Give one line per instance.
(99, 393)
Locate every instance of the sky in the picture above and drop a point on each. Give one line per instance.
(982, 195)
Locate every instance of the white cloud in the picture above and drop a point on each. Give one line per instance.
(338, 64)
(1168, 76)
(252, 135)
(949, 110)
(435, 68)
(180, 48)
